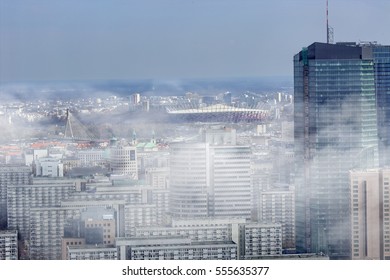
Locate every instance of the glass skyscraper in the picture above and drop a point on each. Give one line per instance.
(382, 86)
(335, 131)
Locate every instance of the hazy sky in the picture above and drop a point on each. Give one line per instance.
(173, 39)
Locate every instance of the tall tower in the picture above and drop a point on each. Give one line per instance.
(335, 130)
(210, 179)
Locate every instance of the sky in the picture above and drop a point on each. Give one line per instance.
(49, 40)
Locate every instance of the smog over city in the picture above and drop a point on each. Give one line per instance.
(194, 130)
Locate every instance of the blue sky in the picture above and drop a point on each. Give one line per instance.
(173, 39)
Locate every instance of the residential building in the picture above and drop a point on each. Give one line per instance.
(157, 177)
(92, 157)
(174, 248)
(370, 214)
(11, 174)
(46, 230)
(277, 205)
(252, 239)
(92, 252)
(261, 239)
(48, 167)
(41, 193)
(8, 245)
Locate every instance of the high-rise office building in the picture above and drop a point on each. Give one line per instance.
(210, 179)
(335, 130)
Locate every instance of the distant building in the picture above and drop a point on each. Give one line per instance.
(282, 154)
(136, 215)
(123, 160)
(48, 167)
(96, 227)
(70, 163)
(219, 136)
(68, 241)
(218, 113)
(8, 245)
(41, 193)
(92, 252)
(157, 177)
(288, 131)
(277, 205)
(174, 248)
(197, 230)
(252, 239)
(46, 230)
(134, 205)
(227, 98)
(100, 222)
(145, 106)
(135, 98)
(192, 251)
(262, 240)
(92, 157)
(11, 174)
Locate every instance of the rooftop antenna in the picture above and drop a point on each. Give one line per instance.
(329, 29)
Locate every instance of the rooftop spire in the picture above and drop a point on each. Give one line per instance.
(329, 29)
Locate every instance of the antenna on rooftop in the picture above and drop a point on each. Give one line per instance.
(329, 29)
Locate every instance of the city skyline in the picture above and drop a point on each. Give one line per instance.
(210, 130)
(68, 40)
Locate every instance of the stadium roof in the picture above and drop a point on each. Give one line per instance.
(217, 108)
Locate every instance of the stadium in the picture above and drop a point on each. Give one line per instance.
(217, 113)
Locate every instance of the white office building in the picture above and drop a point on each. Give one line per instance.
(210, 181)
(123, 160)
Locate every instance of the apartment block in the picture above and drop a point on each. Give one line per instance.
(370, 214)
(8, 245)
(92, 252)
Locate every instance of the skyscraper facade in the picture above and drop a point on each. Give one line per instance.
(381, 56)
(335, 130)
(211, 178)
